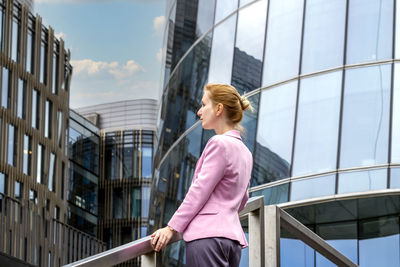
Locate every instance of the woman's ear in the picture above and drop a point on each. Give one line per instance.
(220, 108)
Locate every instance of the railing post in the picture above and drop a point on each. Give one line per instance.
(272, 236)
(256, 238)
(152, 259)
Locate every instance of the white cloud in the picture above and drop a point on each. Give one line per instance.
(160, 54)
(91, 68)
(60, 35)
(158, 24)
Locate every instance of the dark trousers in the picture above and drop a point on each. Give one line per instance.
(213, 252)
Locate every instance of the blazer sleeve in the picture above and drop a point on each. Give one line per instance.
(244, 200)
(211, 172)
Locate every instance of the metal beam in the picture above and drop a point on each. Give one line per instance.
(313, 240)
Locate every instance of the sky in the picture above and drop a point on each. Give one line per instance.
(115, 46)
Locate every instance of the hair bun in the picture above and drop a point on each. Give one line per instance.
(245, 103)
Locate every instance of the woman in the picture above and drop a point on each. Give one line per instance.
(208, 216)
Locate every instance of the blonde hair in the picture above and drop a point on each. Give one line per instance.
(232, 101)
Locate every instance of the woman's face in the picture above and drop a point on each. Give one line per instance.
(207, 113)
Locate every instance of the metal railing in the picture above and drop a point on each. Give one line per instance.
(264, 223)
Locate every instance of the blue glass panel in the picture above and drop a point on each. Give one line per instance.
(296, 253)
(315, 187)
(15, 55)
(282, 51)
(362, 181)
(11, 144)
(5, 90)
(147, 158)
(224, 8)
(221, 58)
(317, 124)
(249, 123)
(3, 183)
(273, 195)
(247, 64)
(365, 122)
(205, 16)
(323, 40)
(396, 115)
(145, 201)
(370, 30)
(395, 178)
(379, 243)
(274, 134)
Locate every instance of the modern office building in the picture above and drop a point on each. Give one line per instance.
(125, 170)
(34, 114)
(84, 169)
(324, 78)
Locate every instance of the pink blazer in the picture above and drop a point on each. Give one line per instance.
(218, 191)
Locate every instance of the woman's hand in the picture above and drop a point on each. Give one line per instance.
(161, 238)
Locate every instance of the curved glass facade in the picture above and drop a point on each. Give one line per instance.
(324, 79)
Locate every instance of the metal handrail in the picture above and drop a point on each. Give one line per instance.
(264, 239)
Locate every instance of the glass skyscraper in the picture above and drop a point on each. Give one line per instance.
(324, 78)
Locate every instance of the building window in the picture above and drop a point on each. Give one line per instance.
(15, 54)
(27, 155)
(18, 190)
(43, 58)
(145, 201)
(147, 158)
(39, 166)
(5, 89)
(52, 172)
(33, 196)
(55, 70)
(30, 47)
(135, 202)
(48, 120)
(64, 84)
(35, 109)
(2, 18)
(21, 108)
(117, 203)
(59, 130)
(62, 179)
(3, 184)
(12, 145)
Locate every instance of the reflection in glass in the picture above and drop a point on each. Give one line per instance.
(370, 30)
(313, 187)
(18, 190)
(397, 27)
(317, 124)
(341, 236)
(365, 120)
(29, 49)
(224, 8)
(52, 172)
(273, 195)
(135, 202)
(396, 115)
(12, 145)
(35, 109)
(43, 60)
(5, 90)
(55, 71)
(362, 181)
(205, 16)
(145, 201)
(40, 163)
(59, 129)
(3, 184)
(249, 123)
(380, 238)
(27, 157)
(21, 105)
(15, 55)
(274, 134)
(147, 153)
(295, 252)
(323, 35)
(247, 64)
(395, 178)
(48, 119)
(221, 58)
(282, 51)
